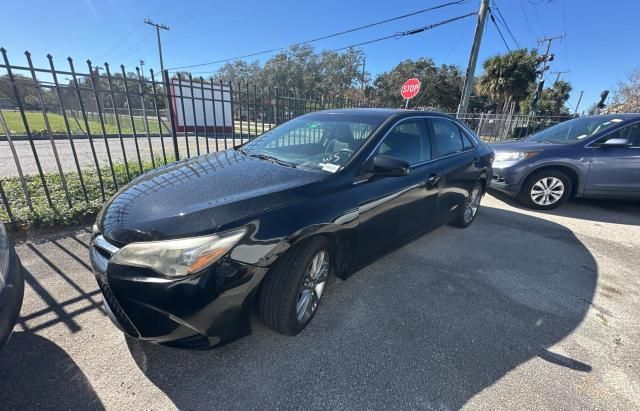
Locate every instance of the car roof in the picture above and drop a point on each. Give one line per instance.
(382, 112)
(623, 116)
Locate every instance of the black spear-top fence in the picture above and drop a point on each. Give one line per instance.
(70, 138)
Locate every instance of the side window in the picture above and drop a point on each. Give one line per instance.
(407, 141)
(446, 138)
(632, 133)
(466, 141)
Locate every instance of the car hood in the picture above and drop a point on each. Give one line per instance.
(520, 145)
(198, 196)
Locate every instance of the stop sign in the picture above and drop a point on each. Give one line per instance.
(410, 88)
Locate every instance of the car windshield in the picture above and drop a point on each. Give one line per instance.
(316, 142)
(574, 130)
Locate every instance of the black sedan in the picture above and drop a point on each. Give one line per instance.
(11, 287)
(184, 253)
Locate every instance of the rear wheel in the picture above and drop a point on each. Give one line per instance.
(545, 190)
(292, 291)
(469, 209)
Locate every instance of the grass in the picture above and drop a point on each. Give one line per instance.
(43, 215)
(37, 125)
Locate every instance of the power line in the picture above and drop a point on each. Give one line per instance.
(134, 49)
(133, 30)
(532, 32)
(504, 22)
(451, 3)
(499, 32)
(396, 36)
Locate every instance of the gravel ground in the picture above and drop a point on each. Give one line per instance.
(523, 310)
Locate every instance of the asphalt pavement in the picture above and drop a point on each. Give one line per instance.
(522, 310)
(129, 147)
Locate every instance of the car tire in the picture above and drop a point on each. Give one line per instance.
(545, 190)
(290, 282)
(470, 207)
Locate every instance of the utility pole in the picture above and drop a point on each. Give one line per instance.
(558, 73)
(364, 62)
(473, 58)
(142, 67)
(579, 100)
(545, 58)
(158, 27)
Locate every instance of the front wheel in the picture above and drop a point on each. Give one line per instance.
(545, 190)
(292, 290)
(469, 209)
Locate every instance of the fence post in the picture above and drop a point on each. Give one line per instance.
(117, 118)
(204, 113)
(158, 118)
(172, 118)
(12, 80)
(36, 85)
(145, 119)
(130, 111)
(67, 126)
(195, 115)
(76, 86)
(5, 202)
(23, 182)
(95, 85)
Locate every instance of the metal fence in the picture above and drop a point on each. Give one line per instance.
(492, 127)
(70, 138)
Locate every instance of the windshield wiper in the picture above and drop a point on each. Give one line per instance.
(272, 159)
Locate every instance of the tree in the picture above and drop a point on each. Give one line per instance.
(239, 71)
(507, 78)
(441, 86)
(552, 100)
(627, 97)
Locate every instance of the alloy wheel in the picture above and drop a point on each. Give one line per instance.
(472, 204)
(313, 286)
(547, 191)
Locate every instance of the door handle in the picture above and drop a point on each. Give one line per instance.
(433, 180)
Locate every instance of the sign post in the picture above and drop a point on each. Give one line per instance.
(409, 90)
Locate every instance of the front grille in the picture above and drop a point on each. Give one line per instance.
(116, 309)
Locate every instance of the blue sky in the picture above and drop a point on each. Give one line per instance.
(600, 48)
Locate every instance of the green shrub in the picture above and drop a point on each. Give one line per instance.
(43, 215)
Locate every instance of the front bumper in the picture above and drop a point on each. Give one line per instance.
(11, 295)
(207, 309)
(506, 179)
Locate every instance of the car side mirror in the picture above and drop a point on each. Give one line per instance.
(616, 142)
(389, 166)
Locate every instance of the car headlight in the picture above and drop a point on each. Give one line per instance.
(179, 257)
(514, 156)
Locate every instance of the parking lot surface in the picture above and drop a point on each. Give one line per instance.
(523, 310)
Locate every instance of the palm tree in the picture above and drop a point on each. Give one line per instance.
(560, 93)
(508, 77)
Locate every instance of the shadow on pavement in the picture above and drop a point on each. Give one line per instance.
(37, 374)
(601, 210)
(428, 326)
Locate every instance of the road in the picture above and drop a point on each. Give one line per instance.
(523, 310)
(85, 154)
